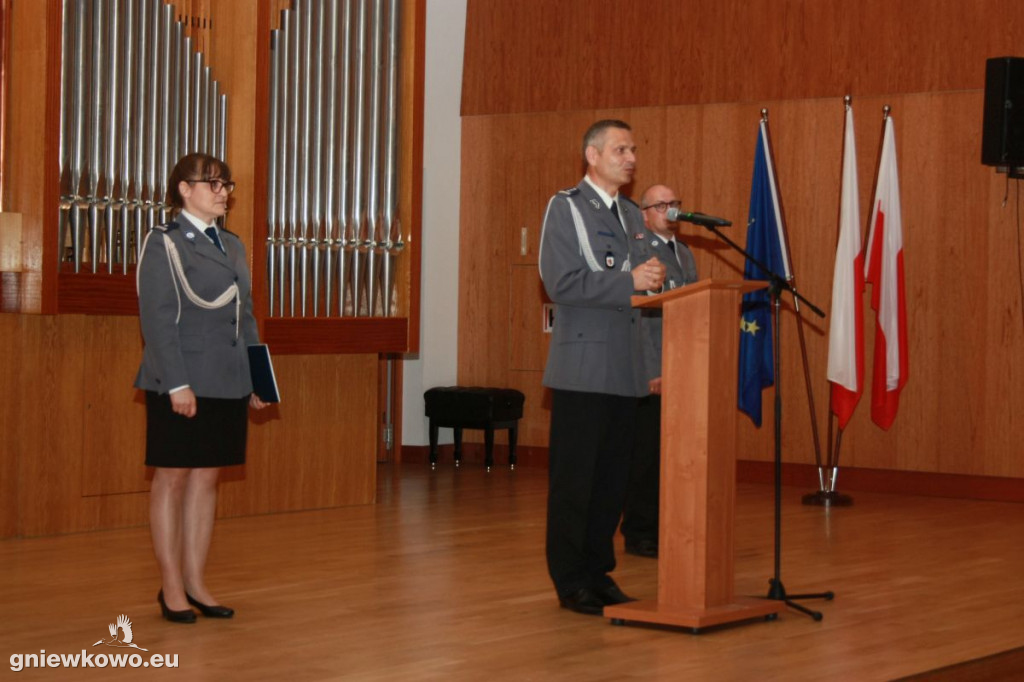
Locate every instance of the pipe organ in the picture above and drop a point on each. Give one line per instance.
(136, 95)
(333, 233)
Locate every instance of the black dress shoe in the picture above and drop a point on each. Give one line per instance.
(612, 595)
(186, 616)
(646, 548)
(210, 611)
(583, 600)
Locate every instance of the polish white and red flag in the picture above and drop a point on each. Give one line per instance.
(846, 329)
(884, 271)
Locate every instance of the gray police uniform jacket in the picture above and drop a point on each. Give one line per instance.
(190, 336)
(586, 256)
(680, 270)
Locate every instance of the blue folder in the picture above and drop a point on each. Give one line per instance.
(264, 383)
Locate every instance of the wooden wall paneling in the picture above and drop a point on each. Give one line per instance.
(10, 335)
(317, 447)
(483, 249)
(54, 379)
(49, 429)
(322, 335)
(673, 156)
(528, 343)
(47, 248)
(534, 427)
(113, 412)
(789, 50)
(650, 136)
(49, 424)
(410, 185)
(31, 63)
(938, 141)
(728, 133)
(5, 38)
(96, 294)
(998, 354)
(807, 138)
(232, 55)
(683, 161)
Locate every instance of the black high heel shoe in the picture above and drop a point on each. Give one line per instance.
(186, 616)
(210, 611)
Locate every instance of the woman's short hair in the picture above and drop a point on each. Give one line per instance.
(195, 167)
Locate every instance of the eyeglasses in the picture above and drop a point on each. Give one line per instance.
(216, 185)
(663, 206)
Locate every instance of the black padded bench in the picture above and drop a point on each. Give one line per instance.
(474, 407)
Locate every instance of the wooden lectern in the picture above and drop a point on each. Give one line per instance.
(700, 352)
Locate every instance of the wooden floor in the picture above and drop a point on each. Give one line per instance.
(445, 579)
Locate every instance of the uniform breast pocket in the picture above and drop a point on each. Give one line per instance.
(575, 328)
(582, 349)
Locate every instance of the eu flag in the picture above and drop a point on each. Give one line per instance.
(764, 242)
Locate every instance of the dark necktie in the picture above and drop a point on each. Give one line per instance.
(211, 232)
(615, 211)
(672, 247)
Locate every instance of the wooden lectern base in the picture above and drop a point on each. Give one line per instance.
(697, 497)
(649, 611)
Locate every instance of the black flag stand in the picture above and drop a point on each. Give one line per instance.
(777, 285)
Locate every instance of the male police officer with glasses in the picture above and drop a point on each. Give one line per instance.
(640, 515)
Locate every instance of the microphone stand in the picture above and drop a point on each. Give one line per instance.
(777, 284)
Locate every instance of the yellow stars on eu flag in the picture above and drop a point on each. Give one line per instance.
(749, 326)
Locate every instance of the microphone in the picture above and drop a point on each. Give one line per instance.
(674, 215)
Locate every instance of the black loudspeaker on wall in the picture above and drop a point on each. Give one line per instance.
(1002, 140)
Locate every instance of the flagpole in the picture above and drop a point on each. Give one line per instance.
(796, 307)
(826, 495)
(833, 497)
(837, 498)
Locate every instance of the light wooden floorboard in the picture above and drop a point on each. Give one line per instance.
(444, 578)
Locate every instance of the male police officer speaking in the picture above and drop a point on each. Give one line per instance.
(593, 257)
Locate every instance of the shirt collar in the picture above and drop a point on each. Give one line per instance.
(605, 197)
(196, 221)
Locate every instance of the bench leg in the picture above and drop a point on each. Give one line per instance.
(513, 434)
(433, 444)
(458, 446)
(488, 448)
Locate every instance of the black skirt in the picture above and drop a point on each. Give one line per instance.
(214, 437)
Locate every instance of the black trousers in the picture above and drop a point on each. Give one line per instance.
(640, 515)
(591, 438)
